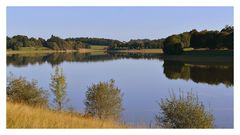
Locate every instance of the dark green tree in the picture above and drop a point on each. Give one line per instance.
(173, 45)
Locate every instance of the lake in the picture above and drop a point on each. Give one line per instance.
(144, 80)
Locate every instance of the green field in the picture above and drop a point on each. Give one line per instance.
(139, 51)
(98, 47)
(188, 52)
(22, 50)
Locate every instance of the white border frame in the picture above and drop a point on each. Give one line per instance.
(6, 3)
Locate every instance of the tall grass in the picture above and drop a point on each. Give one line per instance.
(25, 116)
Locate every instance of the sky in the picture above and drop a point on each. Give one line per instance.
(121, 23)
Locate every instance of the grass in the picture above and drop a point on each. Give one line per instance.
(93, 49)
(98, 47)
(23, 50)
(207, 52)
(24, 116)
(187, 49)
(188, 53)
(140, 51)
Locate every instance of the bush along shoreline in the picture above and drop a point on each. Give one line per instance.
(27, 107)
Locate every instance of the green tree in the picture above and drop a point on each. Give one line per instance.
(185, 39)
(173, 45)
(173, 48)
(21, 90)
(186, 111)
(58, 87)
(228, 29)
(213, 39)
(104, 101)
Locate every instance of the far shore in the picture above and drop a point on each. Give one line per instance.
(52, 51)
(189, 54)
(84, 50)
(139, 51)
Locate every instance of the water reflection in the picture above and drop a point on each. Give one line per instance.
(19, 60)
(210, 74)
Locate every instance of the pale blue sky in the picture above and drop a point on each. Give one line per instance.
(122, 23)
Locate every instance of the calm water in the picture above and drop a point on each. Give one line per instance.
(143, 79)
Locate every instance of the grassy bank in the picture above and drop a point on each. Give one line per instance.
(206, 56)
(139, 51)
(24, 116)
(24, 50)
(189, 54)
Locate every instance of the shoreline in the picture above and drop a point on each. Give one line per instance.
(159, 51)
(187, 54)
(54, 51)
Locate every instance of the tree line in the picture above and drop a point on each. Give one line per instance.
(56, 43)
(138, 44)
(173, 44)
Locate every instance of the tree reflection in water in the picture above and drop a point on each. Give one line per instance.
(198, 72)
(19, 60)
(210, 74)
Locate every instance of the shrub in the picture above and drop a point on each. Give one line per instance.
(21, 90)
(104, 101)
(175, 48)
(58, 87)
(173, 45)
(183, 112)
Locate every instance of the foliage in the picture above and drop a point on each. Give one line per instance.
(194, 39)
(57, 43)
(185, 111)
(54, 42)
(174, 44)
(138, 44)
(94, 41)
(77, 44)
(58, 87)
(213, 39)
(228, 29)
(21, 90)
(22, 41)
(104, 101)
(173, 48)
(185, 39)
